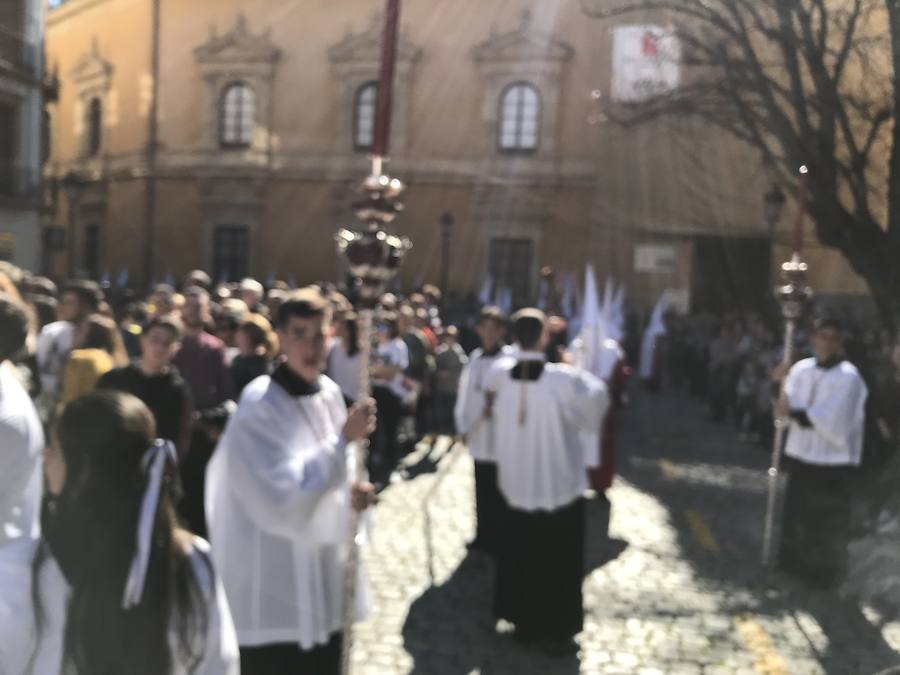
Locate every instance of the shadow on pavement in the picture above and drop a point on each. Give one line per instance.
(450, 629)
(696, 467)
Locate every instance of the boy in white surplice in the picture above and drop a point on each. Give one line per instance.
(278, 503)
(825, 399)
(540, 412)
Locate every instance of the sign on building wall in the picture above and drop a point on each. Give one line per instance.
(654, 259)
(646, 62)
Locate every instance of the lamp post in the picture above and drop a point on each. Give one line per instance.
(447, 221)
(794, 296)
(73, 185)
(773, 205)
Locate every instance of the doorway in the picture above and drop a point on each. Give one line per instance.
(731, 274)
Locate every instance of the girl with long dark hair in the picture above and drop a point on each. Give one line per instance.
(120, 588)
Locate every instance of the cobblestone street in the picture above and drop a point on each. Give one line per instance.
(676, 589)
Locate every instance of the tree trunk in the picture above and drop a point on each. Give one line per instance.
(893, 9)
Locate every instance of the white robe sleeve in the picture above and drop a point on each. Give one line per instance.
(466, 410)
(588, 402)
(221, 655)
(280, 492)
(838, 416)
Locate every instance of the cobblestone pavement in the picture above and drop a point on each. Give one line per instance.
(675, 589)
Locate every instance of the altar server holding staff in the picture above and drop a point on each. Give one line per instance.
(825, 400)
(278, 503)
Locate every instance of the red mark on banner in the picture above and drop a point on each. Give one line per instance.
(650, 45)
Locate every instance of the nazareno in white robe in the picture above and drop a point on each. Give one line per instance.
(278, 508)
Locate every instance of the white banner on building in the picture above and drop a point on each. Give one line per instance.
(646, 62)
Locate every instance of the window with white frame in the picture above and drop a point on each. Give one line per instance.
(237, 116)
(365, 103)
(520, 118)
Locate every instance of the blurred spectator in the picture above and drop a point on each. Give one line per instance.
(97, 349)
(157, 383)
(343, 357)
(257, 346)
(450, 359)
(251, 292)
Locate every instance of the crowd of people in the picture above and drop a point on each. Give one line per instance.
(142, 427)
(135, 430)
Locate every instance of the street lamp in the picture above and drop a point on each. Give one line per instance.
(73, 185)
(447, 221)
(773, 206)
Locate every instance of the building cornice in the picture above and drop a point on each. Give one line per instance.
(70, 9)
(573, 173)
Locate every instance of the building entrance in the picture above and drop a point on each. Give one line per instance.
(730, 274)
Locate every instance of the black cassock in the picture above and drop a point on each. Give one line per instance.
(816, 524)
(540, 568)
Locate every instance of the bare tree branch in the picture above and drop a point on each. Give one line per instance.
(775, 74)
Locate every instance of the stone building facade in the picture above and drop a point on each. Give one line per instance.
(21, 97)
(262, 112)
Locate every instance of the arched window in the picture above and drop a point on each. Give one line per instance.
(94, 127)
(364, 116)
(237, 116)
(520, 118)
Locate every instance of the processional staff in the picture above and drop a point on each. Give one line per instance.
(373, 258)
(794, 296)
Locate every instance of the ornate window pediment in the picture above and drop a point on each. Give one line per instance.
(92, 73)
(365, 47)
(355, 61)
(523, 44)
(527, 56)
(238, 46)
(238, 58)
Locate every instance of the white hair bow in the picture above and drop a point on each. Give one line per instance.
(154, 464)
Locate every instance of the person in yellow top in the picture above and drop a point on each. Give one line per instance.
(98, 349)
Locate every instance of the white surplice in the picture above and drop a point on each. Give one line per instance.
(21, 487)
(278, 508)
(470, 404)
(538, 428)
(834, 400)
(44, 648)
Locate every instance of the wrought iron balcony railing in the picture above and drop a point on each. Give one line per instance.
(17, 53)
